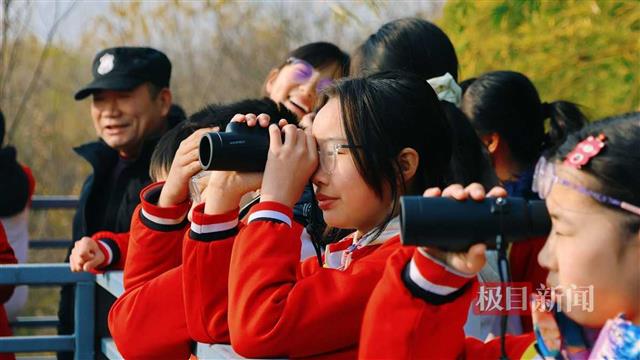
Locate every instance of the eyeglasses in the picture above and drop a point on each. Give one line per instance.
(328, 158)
(303, 72)
(545, 176)
(197, 184)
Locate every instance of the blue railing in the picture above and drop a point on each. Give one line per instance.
(49, 202)
(46, 202)
(81, 341)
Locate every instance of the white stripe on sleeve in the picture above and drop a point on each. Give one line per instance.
(271, 214)
(163, 221)
(211, 228)
(427, 285)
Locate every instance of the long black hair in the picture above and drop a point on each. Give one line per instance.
(507, 102)
(470, 160)
(410, 44)
(417, 46)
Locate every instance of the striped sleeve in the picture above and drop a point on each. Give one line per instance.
(434, 281)
(207, 228)
(110, 251)
(109, 247)
(158, 218)
(271, 211)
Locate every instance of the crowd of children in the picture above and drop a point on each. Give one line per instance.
(304, 259)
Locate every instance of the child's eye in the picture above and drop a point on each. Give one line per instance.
(302, 74)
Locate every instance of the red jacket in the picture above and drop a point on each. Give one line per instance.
(6, 257)
(147, 320)
(206, 256)
(280, 307)
(175, 281)
(418, 311)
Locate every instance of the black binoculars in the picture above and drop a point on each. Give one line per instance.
(240, 148)
(453, 225)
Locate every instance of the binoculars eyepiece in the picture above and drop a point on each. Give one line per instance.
(240, 148)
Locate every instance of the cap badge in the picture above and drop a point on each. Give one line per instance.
(106, 64)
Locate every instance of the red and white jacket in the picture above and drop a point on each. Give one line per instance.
(159, 314)
(175, 278)
(418, 310)
(281, 307)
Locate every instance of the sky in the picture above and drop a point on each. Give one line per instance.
(70, 29)
(84, 11)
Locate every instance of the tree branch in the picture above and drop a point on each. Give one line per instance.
(36, 73)
(4, 38)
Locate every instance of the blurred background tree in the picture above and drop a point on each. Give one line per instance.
(583, 51)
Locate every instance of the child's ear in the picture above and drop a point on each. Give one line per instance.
(408, 159)
(271, 78)
(491, 141)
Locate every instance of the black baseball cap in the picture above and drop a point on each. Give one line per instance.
(124, 68)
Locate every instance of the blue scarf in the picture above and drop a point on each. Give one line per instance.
(521, 186)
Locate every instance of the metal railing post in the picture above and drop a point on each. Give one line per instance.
(84, 320)
(82, 342)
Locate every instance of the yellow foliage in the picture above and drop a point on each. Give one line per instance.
(583, 51)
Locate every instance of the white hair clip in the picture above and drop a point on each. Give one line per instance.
(446, 88)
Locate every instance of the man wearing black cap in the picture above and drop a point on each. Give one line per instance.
(131, 108)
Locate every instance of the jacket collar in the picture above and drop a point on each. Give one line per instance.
(102, 157)
(340, 255)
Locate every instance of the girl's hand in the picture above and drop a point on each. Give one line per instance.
(289, 164)
(474, 259)
(226, 188)
(186, 164)
(85, 255)
(252, 120)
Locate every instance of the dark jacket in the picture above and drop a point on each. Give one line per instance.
(121, 192)
(14, 184)
(107, 201)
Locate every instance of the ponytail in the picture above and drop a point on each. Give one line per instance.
(565, 117)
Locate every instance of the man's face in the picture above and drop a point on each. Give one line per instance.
(124, 119)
